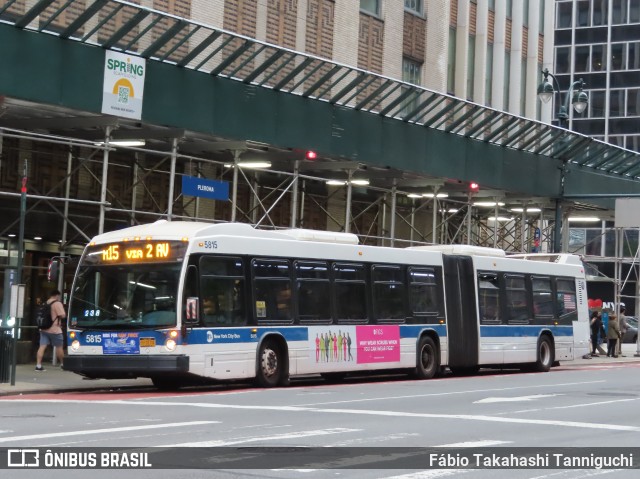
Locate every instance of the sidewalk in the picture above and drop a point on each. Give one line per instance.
(54, 379)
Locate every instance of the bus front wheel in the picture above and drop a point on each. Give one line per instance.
(270, 364)
(428, 360)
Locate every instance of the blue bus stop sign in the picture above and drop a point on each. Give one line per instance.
(212, 189)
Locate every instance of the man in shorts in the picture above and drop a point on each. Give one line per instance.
(53, 335)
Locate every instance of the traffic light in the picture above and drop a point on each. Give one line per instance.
(474, 187)
(311, 155)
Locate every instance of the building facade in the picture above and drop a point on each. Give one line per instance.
(488, 51)
(599, 41)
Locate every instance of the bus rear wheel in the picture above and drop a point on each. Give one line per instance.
(428, 359)
(271, 371)
(545, 355)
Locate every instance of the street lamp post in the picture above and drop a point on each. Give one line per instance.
(579, 100)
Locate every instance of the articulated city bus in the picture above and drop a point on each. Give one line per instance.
(185, 302)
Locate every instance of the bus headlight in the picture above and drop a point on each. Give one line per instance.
(75, 345)
(170, 344)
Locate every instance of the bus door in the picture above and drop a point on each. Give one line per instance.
(462, 322)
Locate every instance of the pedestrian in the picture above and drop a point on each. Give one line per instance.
(623, 328)
(613, 333)
(52, 335)
(596, 324)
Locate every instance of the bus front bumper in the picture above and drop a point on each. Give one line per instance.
(124, 367)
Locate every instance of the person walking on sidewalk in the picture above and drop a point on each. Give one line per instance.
(596, 324)
(623, 327)
(613, 333)
(53, 335)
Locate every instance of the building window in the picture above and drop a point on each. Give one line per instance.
(492, 5)
(619, 10)
(411, 73)
(600, 12)
(563, 59)
(634, 56)
(509, 8)
(618, 56)
(582, 59)
(596, 103)
(371, 6)
(616, 103)
(539, 103)
(507, 80)
(523, 86)
(634, 11)
(633, 102)
(525, 13)
(451, 62)
(598, 55)
(541, 22)
(563, 17)
(414, 6)
(471, 70)
(583, 16)
(488, 79)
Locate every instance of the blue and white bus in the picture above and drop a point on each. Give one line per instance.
(185, 302)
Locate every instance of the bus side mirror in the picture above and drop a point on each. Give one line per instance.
(192, 310)
(52, 270)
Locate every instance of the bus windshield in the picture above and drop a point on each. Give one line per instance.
(125, 296)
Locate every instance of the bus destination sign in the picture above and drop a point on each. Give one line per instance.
(136, 252)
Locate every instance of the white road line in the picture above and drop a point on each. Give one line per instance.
(595, 403)
(451, 393)
(466, 417)
(275, 437)
(431, 473)
(515, 398)
(471, 417)
(103, 431)
(582, 473)
(486, 443)
(522, 411)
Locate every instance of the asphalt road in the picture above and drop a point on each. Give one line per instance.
(569, 407)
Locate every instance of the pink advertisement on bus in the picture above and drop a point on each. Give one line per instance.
(378, 344)
(339, 347)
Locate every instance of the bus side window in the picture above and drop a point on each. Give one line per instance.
(489, 298)
(313, 292)
(272, 290)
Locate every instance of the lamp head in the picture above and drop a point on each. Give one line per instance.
(545, 89)
(580, 100)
